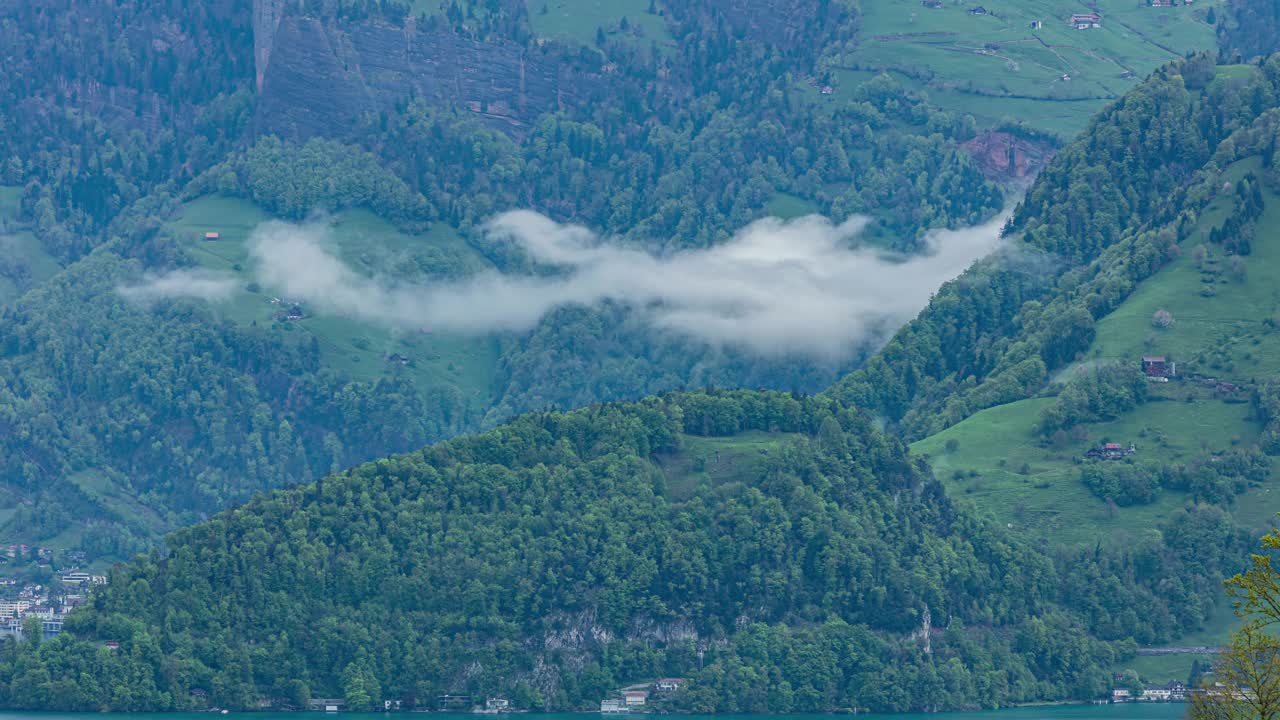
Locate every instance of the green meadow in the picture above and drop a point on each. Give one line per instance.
(711, 461)
(579, 21)
(1000, 462)
(372, 246)
(1023, 60)
(23, 260)
(1226, 334)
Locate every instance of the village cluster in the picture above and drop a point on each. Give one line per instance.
(641, 697)
(22, 602)
(631, 699)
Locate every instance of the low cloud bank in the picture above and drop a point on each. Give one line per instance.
(200, 284)
(777, 288)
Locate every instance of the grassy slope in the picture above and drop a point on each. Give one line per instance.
(968, 58)
(718, 460)
(365, 241)
(1221, 335)
(996, 445)
(19, 246)
(578, 20)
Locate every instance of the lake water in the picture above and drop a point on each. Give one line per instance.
(1134, 711)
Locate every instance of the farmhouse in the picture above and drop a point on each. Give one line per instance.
(212, 236)
(635, 698)
(1035, 24)
(1156, 366)
(1110, 451)
(666, 685)
(1085, 21)
(1164, 693)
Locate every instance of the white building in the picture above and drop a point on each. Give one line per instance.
(14, 608)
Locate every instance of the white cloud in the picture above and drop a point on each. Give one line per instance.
(200, 284)
(795, 287)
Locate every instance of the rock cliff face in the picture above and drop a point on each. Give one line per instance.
(316, 77)
(266, 20)
(1003, 156)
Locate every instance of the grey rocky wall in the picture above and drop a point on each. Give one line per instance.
(317, 78)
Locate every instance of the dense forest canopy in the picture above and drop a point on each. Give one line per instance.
(554, 559)
(781, 550)
(1250, 28)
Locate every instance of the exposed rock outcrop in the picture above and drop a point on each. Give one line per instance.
(317, 78)
(1004, 156)
(267, 15)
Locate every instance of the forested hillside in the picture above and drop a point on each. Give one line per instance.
(1109, 212)
(1249, 28)
(1116, 367)
(108, 178)
(564, 555)
(783, 551)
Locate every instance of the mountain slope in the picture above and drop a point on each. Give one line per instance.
(1109, 212)
(1024, 60)
(777, 550)
(95, 206)
(563, 556)
(1204, 435)
(1219, 331)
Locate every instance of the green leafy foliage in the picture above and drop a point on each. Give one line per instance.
(1103, 393)
(550, 558)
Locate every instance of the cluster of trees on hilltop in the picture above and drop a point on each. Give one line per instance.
(549, 561)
